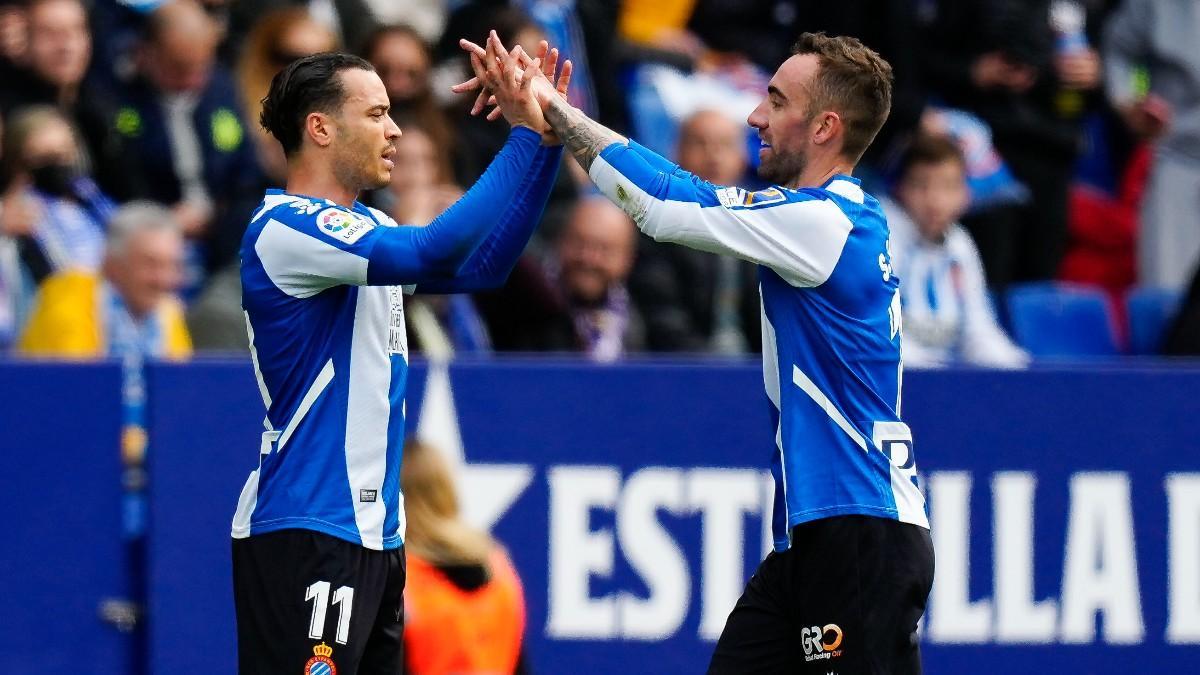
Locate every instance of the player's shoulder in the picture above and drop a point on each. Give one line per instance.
(321, 219)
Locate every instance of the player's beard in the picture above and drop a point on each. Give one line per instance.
(355, 167)
(781, 168)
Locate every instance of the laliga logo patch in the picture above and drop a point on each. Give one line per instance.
(343, 225)
(320, 663)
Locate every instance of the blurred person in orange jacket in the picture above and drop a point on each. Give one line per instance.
(463, 603)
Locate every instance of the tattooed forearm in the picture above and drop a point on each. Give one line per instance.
(584, 137)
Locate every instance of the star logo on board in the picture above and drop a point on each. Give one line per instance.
(486, 491)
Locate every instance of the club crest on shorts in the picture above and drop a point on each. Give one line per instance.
(320, 663)
(343, 225)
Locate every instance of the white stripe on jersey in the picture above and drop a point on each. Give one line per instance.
(319, 384)
(246, 503)
(262, 384)
(848, 190)
(270, 201)
(770, 352)
(801, 241)
(910, 504)
(301, 265)
(366, 411)
(814, 392)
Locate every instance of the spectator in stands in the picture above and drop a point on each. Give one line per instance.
(129, 309)
(404, 61)
(947, 315)
(1155, 40)
(181, 119)
(694, 301)
(351, 20)
(56, 57)
(577, 300)
(52, 210)
(422, 183)
(463, 603)
(1026, 68)
(279, 37)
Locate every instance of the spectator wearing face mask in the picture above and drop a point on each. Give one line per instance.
(947, 315)
(576, 299)
(51, 71)
(129, 309)
(52, 210)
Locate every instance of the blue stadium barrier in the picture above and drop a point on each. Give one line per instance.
(1065, 503)
(64, 556)
(1052, 319)
(1150, 311)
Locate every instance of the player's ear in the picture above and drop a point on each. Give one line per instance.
(827, 125)
(320, 128)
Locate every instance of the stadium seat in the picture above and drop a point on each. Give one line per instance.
(1061, 320)
(1150, 311)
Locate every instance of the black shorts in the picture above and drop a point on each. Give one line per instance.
(844, 599)
(311, 604)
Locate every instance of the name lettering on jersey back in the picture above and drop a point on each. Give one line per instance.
(397, 338)
(343, 225)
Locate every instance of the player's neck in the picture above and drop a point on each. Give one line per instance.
(307, 179)
(817, 174)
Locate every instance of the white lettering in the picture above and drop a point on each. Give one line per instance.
(724, 496)
(576, 552)
(653, 554)
(1019, 619)
(1100, 567)
(1183, 566)
(953, 618)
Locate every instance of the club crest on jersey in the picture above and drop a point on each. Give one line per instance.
(343, 225)
(320, 663)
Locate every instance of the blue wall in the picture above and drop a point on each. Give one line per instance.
(642, 512)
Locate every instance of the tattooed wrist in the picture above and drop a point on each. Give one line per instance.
(582, 136)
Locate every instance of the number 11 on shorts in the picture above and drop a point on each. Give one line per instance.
(344, 597)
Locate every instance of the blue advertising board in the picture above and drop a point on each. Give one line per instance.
(60, 493)
(1066, 509)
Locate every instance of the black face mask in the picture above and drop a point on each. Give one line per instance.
(57, 180)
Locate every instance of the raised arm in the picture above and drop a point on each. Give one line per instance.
(445, 248)
(798, 234)
(490, 264)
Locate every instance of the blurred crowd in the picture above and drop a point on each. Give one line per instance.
(1030, 141)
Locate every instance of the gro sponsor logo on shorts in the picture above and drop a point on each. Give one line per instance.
(821, 642)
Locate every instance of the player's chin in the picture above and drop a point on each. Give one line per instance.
(381, 179)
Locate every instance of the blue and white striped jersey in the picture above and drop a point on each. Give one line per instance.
(831, 327)
(322, 289)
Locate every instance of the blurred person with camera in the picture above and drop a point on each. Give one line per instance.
(694, 301)
(129, 309)
(464, 607)
(947, 315)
